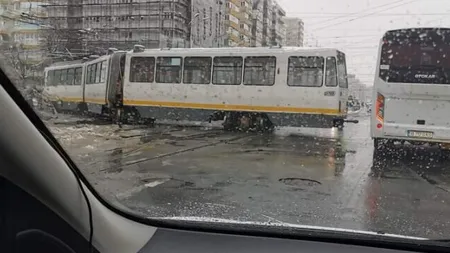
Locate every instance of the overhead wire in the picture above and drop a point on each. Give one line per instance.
(366, 15)
(370, 14)
(370, 37)
(356, 13)
(324, 15)
(363, 41)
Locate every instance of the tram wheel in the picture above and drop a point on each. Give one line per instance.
(339, 123)
(231, 121)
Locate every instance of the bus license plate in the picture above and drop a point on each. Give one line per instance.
(419, 134)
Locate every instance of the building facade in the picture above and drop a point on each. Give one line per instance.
(357, 89)
(208, 27)
(238, 21)
(295, 29)
(278, 27)
(257, 23)
(268, 25)
(20, 29)
(95, 25)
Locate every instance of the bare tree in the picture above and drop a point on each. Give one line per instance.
(17, 58)
(6, 60)
(54, 41)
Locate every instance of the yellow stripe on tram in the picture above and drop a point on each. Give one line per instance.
(279, 109)
(282, 109)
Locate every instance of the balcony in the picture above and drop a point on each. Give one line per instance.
(236, 2)
(247, 21)
(234, 13)
(246, 33)
(245, 8)
(234, 38)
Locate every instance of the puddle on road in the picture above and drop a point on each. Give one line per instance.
(299, 182)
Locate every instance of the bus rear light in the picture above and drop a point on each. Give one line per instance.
(379, 125)
(379, 107)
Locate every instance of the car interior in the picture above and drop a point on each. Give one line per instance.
(49, 206)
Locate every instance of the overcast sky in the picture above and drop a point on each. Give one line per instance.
(356, 26)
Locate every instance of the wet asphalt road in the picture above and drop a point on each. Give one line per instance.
(310, 177)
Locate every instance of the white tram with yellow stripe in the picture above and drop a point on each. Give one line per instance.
(254, 87)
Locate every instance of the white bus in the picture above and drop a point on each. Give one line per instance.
(411, 94)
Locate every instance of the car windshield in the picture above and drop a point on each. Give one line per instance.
(329, 113)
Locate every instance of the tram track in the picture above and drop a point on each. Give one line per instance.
(118, 159)
(180, 151)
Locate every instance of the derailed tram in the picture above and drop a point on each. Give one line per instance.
(247, 88)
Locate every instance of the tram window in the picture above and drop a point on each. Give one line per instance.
(305, 71)
(331, 72)
(103, 71)
(168, 69)
(97, 72)
(50, 78)
(88, 72)
(63, 77)
(342, 71)
(78, 76)
(227, 70)
(142, 69)
(90, 75)
(197, 70)
(57, 78)
(70, 76)
(260, 70)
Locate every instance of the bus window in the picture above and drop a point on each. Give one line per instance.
(197, 70)
(168, 69)
(305, 71)
(78, 76)
(342, 70)
(70, 76)
(142, 69)
(260, 70)
(331, 72)
(415, 56)
(227, 70)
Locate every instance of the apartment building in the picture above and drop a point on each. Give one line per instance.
(238, 21)
(295, 29)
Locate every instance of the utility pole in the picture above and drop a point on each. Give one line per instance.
(218, 29)
(160, 7)
(189, 27)
(172, 24)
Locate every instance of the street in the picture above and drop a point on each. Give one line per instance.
(323, 177)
